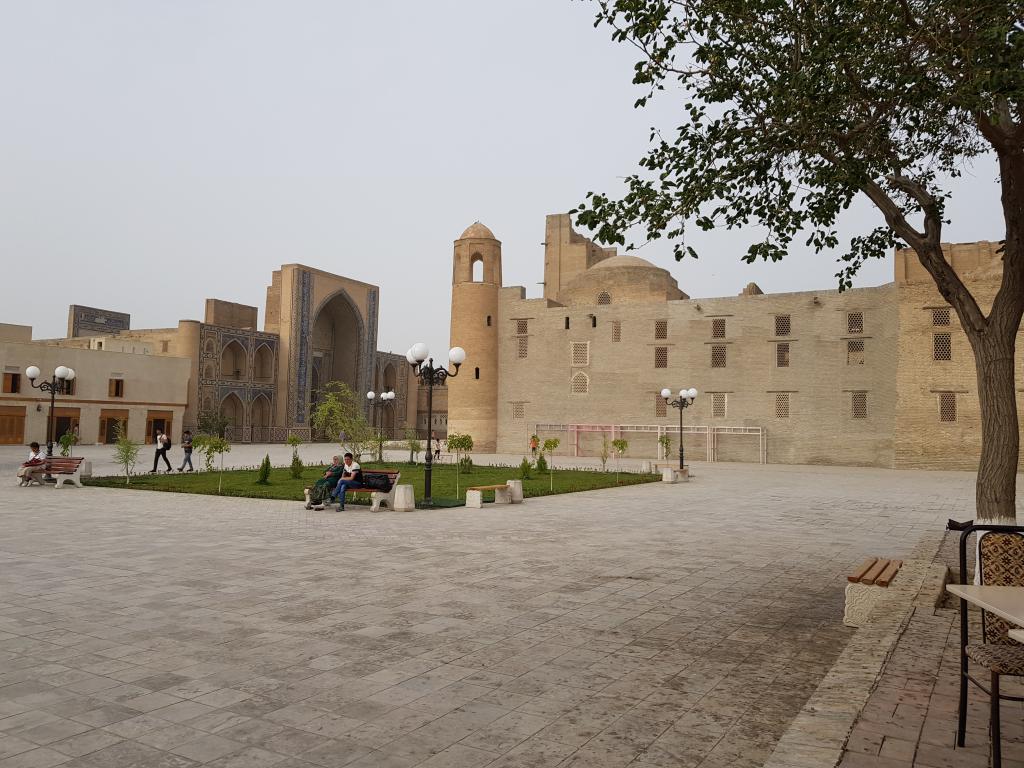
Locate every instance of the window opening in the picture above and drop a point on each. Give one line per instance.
(718, 355)
(942, 346)
(783, 325)
(940, 316)
(661, 329)
(518, 410)
(782, 355)
(947, 407)
(616, 330)
(782, 405)
(604, 298)
(855, 352)
(580, 353)
(855, 322)
(661, 357)
(660, 406)
(718, 328)
(524, 345)
(859, 404)
(719, 403)
(580, 383)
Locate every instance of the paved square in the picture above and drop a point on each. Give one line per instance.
(663, 625)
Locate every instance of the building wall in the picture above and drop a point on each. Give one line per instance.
(152, 384)
(624, 382)
(923, 439)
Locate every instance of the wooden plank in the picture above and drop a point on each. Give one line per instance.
(864, 568)
(889, 573)
(874, 572)
(486, 487)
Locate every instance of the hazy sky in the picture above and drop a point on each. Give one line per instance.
(157, 152)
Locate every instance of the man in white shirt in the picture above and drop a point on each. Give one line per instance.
(33, 469)
(351, 477)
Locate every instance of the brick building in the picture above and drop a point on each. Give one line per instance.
(876, 376)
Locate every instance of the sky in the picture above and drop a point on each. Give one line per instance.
(154, 153)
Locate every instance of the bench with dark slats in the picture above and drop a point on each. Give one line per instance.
(875, 571)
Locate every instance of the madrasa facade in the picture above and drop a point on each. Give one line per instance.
(880, 376)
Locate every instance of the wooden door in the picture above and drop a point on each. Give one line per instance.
(12, 425)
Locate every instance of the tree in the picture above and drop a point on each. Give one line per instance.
(126, 451)
(665, 441)
(620, 447)
(296, 467)
(793, 108)
(460, 445)
(263, 473)
(412, 442)
(339, 414)
(605, 453)
(211, 446)
(67, 442)
(550, 446)
(213, 423)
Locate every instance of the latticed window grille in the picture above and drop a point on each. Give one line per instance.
(942, 346)
(859, 405)
(718, 327)
(782, 405)
(940, 316)
(660, 406)
(580, 353)
(518, 410)
(855, 352)
(782, 355)
(579, 384)
(783, 325)
(661, 357)
(616, 330)
(718, 355)
(855, 322)
(947, 406)
(661, 329)
(524, 345)
(604, 298)
(522, 326)
(719, 401)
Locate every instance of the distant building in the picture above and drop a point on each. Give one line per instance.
(877, 376)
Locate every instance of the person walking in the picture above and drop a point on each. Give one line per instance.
(437, 446)
(163, 442)
(186, 446)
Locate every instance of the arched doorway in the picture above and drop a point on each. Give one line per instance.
(232, 361)
(337, 345)
(259, 419)
(263, 364)
(233, 411)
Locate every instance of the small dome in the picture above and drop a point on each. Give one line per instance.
(613, 262)
(478, 231)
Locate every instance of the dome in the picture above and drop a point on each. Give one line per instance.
(478, 231)
(615, 262)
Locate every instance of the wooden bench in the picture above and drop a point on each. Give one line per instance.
(64, 469)
(864, 588)
(475, 495)
(377, 498)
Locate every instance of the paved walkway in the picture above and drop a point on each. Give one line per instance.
(663, 625)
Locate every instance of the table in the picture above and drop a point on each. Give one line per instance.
(1005, 602)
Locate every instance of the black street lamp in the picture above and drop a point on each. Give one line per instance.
(378, 401)
(59, 384)
(685, 400)
(423, 367)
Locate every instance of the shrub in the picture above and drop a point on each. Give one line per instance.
(296, 466)
(524, 469)
(263, 473)
(67, 441)
(542, 463)
(126, 451)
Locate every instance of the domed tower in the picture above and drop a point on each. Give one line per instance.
(473, 394)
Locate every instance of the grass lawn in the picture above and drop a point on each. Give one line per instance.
(242, 482)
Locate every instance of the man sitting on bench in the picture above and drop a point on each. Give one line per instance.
(33, 469)
(351, 477)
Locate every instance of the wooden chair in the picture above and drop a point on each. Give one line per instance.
(1000, 563)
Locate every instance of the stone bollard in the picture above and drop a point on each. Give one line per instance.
(405, 499)
(516, 486)
(668, 475)
(85, 468)
(475, 499)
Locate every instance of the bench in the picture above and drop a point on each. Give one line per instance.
(379, 497)
(863, 588)
(670, 471)
(475, 495)
(64, 469)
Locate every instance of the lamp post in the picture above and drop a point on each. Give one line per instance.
(423, 367)
(685, 400)
(61, 382)
(378, 400)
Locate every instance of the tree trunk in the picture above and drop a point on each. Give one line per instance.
(996, 491)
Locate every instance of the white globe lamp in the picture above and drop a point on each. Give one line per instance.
(32, 372)
(61, 372)
(666, 393)
(420, 352)
(457, 355)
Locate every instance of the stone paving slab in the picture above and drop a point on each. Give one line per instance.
(682, 625)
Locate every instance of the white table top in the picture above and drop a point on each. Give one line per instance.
(1006, 602)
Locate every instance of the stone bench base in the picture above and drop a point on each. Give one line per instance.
(475, 499)
(860, 601)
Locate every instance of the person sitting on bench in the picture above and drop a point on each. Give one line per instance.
(34, 468)
(322, 488)
(352, 477)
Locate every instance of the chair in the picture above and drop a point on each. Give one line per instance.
(1000, 563)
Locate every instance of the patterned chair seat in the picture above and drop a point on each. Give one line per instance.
(1002, 659)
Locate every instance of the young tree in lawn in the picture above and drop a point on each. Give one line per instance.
(550, 445)
(665, 441)
(460, 445)
(296, 467)
(791, 109)
(412, 442)
(339, 412)
(211, 446)
(126, 451)
(620, 446)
